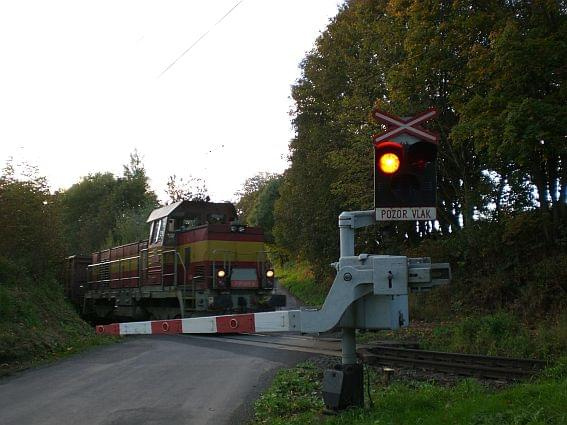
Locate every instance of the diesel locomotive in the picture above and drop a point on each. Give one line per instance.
(197, 260)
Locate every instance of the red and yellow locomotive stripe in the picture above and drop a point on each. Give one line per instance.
(200, 250)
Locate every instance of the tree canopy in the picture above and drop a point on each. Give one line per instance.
(102, 210)
(31, 239)
(494, 69)
(190, 189)
(256, 201)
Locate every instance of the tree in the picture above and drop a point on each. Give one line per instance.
(495, 70)
(262, 212)
(30, 222)
(248, 196)
(517, 109)
(192, 189)
(131, 226)
(93, 207)
(331, 156)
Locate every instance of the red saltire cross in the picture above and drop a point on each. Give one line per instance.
(396, 125)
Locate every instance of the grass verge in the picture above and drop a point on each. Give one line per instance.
(294, 398)
(37, 325)
(300, 282)
(498, 334)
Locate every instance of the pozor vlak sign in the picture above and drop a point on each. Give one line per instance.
(405, 177)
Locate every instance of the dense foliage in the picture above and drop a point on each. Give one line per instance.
(257, 199)
(30, 224)
(495, 70)
(39, 228)
(36, 323)
(103, 210)
(505, 264)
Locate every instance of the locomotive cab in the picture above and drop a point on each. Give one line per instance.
(185, 215)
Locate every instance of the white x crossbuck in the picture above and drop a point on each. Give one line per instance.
(396, 125)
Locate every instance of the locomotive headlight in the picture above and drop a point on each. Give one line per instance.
(269, 273)
(221, 273)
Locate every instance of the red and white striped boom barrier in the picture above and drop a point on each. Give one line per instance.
(274, 321)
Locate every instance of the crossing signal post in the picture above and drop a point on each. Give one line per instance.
(405, 179)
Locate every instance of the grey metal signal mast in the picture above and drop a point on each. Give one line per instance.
(348, 223)
(405, 189)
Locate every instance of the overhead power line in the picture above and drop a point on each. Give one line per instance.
(199, 39)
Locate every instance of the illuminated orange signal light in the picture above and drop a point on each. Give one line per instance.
(389, 163)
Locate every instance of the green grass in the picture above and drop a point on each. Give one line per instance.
(300, 282)
(292, 400)
(37, 325)
(498, 334)
(501, 334)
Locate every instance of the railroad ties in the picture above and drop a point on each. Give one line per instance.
(487, 367)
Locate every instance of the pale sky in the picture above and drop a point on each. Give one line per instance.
(80, 86)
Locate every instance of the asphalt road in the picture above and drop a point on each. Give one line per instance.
(144, 381)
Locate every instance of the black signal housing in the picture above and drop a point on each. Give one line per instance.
(414, 183)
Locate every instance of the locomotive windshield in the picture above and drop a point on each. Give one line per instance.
(158, 230)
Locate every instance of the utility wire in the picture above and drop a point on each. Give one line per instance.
(199, 39)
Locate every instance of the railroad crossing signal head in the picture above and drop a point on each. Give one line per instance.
(405, 164)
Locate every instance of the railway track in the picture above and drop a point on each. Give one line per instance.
(486, 367)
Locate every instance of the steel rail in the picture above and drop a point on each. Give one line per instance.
(490, 367)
